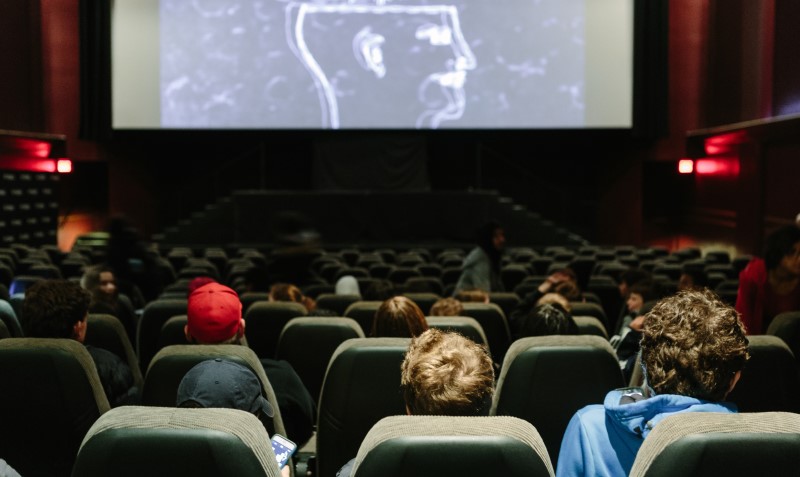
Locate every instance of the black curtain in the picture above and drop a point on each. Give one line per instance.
(95, 68)
(650, 58)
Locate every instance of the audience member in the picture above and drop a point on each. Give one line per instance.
(399, 317)
(692, 279)
(481, 267)
(771, 285)
(133, 262)
(520, 312)
(547, 319)
(444, 374)
(472, 295)
(380, 290)
(347, 285)
(214, 316)
(99, 280)
(448, 306)
(59, 309)
(217, 383)
(555, 298)
(626, 342)
(693, 350)
(627, 279)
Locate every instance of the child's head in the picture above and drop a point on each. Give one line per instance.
(638, 295)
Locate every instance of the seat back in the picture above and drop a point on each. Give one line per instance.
(786, 326)
(546, 379)
(362, 385)
(771, 367)
(173, 332)
(155, 314)
(721, 444)
(423, 300)
(51, 396)
(444, 446)
(308, 343)
(463, 325)
(589, 325)
(494, 324)
(265, 321)
(589, 309)
(507, 301)
(107, 332)
(364, 313)
(9, 318)
(160, 441)
(336, 303)
(171, 364)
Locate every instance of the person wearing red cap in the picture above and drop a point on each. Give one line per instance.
(214, 316)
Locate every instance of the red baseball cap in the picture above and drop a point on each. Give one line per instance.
(213, 314)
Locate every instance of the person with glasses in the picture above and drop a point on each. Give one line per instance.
(770, 285)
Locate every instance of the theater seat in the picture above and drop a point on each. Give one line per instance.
(51, 395)
(546, 379)
(362, 385)
(720, 444)
(265, 321)
(463, 325)
(444, 446)
(154, 441)
(107, 332)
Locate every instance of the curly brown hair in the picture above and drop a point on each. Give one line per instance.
(286, 292)
(399, 317)
(693, 344)
(444, 373)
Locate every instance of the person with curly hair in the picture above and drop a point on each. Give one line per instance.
(444, 374)
(693, 350)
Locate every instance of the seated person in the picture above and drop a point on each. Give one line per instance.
(99, 280)
(59, 309)
(626, 343)
(548, 287)
(225, 384)
(398, 317)
(214, 316)
(693, 350)
(472, 295)
(481, 267)
(444, 374)
(448, 306)
(548, 319)
(692, 279)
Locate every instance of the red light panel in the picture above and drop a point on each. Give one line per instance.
(718, 167)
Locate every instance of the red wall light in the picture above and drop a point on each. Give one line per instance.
(718, 167)
(685, 166)
(64, 166)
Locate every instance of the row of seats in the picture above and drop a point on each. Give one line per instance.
(543, 381)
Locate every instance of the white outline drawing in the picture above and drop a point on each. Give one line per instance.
(368, 51)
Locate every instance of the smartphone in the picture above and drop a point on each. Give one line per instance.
(283, 448)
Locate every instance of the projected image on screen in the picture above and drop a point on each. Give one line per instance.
(351, 64)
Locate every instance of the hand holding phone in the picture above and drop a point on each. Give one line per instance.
(283, 448)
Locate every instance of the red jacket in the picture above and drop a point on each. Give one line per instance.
(750, 297)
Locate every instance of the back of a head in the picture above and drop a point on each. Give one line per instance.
(548, 319)
(472, 295)
(213, 314)
(693, 344)
(447, 307)
(223, 384)
(380, 290)
(52, 307)
(633, 276)
(444, 373)
(285, 292)
(399, 317)
(779, 244)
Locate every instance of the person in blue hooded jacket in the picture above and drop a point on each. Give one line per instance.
(693, 349)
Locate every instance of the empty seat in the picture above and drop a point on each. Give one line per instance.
(720, 444)
(546, 379)
(308, 343)
(155, 314)
(786, 326)
(494, 324)
(336, 303)
(265, 321)
(589, 309)
(163, 441)
(51, 396)
(173, 332)
(424, 285)
(446, 446)
(362, 385)
(250, 297)
(364, 313)
(589, 325)
(769, 380)
(423, 300)
(107, 332)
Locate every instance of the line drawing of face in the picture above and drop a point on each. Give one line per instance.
(416, 50)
